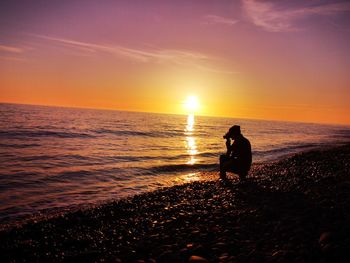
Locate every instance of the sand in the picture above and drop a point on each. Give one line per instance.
(293, 210)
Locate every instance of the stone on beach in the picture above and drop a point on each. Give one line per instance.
(197, 259)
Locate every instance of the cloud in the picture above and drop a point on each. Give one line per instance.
(98, 48)
(161, 56)
(11, 49)
(270, 17)
(12, 59)
(214, 19)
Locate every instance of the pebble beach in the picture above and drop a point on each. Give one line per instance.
(293, 210)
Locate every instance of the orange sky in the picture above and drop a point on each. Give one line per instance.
(252, 59)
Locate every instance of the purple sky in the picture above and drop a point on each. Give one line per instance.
(284, 60)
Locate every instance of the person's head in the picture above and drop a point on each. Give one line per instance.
(234, 131)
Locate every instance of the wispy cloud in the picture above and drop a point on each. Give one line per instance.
(214, 19)
(270, 17)
(11, 49)
(12, 59)
(162, 56)
(98, 48)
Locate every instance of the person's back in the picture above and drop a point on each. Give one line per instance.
(242, 153)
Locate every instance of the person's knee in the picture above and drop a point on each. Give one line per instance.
(223, 160)
(228, 166)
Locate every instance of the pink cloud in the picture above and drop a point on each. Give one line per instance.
(12, 58)
(162, 56)
(11, 49)
(214, 19)
(267, 16)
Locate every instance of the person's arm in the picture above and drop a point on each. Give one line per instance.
(228, 147)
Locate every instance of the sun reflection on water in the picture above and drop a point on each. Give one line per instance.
(191, 145)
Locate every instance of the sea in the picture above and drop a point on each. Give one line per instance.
(56, 159)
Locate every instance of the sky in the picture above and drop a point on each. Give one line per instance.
(277, 60)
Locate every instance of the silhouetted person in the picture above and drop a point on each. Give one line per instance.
(238, 157)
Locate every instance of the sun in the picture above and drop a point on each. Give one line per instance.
(191, 103)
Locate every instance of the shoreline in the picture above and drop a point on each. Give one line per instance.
(209, 175)
(279, 215)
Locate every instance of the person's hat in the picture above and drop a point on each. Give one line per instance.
(235, 130)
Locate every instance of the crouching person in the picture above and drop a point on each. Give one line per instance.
(238, 157)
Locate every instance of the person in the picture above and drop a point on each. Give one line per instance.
(238, 157)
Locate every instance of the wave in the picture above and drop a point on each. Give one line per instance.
(341, 133)
(18, 146)
(72, 175)
(179, 157)
(63, 158)
(153, 134)
(186, 156)
(181, 168)
(96, 175)
(286, 149)
(124, 133)
(70, 160)
(20, 134)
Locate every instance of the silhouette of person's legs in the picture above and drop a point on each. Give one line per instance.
(229, 165)
(223, 160)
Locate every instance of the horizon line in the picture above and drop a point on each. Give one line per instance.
(179, 114)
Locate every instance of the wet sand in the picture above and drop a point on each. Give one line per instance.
(293, 210)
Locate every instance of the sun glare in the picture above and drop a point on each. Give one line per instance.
(191, 104)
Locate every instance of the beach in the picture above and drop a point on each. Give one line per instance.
(293, 210)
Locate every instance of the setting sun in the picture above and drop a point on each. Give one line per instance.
(191, 104)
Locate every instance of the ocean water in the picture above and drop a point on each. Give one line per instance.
(54, 158)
